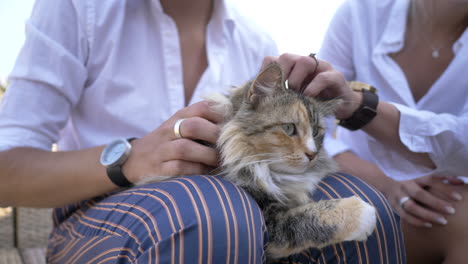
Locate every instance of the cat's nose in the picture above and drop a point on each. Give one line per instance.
(311, 155)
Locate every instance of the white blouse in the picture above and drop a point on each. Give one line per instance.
(91, 71)
(361, 36)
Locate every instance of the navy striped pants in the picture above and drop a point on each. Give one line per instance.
(203, 219)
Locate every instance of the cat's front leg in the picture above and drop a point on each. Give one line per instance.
(318, 224)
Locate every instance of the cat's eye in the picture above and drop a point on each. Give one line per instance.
(289, 129)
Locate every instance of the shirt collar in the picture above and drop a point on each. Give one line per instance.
(221, 13)
(462, 41)
(393, 37)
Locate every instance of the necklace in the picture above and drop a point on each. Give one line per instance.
(435, 52)
(425, 16)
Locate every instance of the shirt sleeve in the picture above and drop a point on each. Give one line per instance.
(443, 136)
(336, 49)
(337, 45)
(332, 144)
(48, 77)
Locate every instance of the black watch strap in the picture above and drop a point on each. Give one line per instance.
(117, 177)
(364, 114)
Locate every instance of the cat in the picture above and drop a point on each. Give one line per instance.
(271, 145)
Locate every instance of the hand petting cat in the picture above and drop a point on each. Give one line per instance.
(161, 153)
(430, 197)
(317, 78)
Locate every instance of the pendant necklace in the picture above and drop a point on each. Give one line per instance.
(435, 51)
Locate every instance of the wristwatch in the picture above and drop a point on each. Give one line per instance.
(113, 157)
(366, 111)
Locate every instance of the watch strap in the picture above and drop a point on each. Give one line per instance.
(364, 114)
(116, 175)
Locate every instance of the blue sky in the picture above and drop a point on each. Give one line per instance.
(297, 26)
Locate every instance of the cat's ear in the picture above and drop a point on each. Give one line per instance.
(267, 82)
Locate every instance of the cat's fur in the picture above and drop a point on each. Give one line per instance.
(281, 171)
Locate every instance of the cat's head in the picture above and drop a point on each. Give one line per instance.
(273, 128)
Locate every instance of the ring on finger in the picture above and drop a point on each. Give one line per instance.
(177, 125)
(403, 200)
(312, 55)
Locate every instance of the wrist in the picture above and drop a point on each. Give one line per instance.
(353, 106)
(113, 157)
(362, 113)
(129, 167)
(388, 186)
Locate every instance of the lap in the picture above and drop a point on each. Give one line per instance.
(193, 219)
(385, 245)
(186, 220)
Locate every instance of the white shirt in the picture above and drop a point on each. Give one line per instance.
(361, 36)
(91, 71)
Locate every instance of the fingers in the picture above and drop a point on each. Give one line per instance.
(182, 167)
(200, 109)
(298, 70)
(444, 190)
(317, 78)
(415, 221)
(423, 214)
(428, 199)
(291, 63)
(197, 128)
(424, 205)
(327, 85)
(188, 150)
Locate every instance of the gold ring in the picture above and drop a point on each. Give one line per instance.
(177, 128)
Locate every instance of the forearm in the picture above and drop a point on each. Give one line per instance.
(37, 178)
(385, 126)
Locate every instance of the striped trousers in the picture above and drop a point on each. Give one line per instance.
(204, 219)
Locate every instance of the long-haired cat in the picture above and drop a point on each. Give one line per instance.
(271, 145)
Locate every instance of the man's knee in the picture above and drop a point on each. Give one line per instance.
(209, 216)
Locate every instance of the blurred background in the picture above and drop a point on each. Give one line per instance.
(298, 26)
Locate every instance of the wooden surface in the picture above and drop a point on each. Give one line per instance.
(34, 227)
(9, 256)
(6, 228)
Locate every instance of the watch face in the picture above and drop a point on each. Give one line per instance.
(115, 152)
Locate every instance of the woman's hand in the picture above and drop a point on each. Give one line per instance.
(322, 81)
(161, 153)
(431, 199)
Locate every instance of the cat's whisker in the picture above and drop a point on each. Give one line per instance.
(240, 166)
(267, 161)
(252, 156)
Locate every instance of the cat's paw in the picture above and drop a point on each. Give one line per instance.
(367, 222)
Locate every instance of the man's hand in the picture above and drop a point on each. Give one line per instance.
(161, 153)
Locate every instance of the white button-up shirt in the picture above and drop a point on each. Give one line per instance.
(91, 71)
(358, 43)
